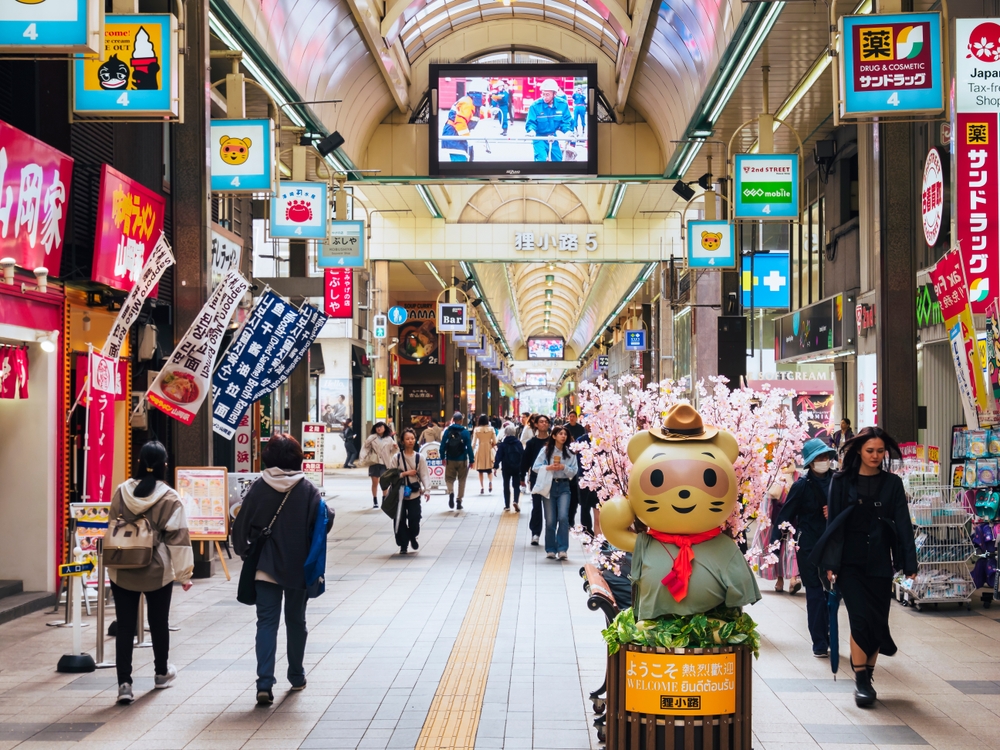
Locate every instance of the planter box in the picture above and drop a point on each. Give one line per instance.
(680, 699)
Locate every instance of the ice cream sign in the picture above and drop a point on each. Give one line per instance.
(767, 186)
(139, 75)
(50, 25)
(299, 210)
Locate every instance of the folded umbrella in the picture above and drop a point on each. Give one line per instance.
(833, 604)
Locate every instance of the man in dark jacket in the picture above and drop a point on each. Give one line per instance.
(531, 451)
(350, 443)
(456, 447)
(508, 458)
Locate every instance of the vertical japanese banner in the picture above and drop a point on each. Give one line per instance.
(244, 455)
(993, 347)
(159, 260)
(381, 393)
(101, 428)
(339, 300)
(977, 204)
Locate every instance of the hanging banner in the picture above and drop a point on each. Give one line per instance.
(710, 244)
(452, 317)
(158, 261)
(242, 156)
(54, 26)
(339, 299)
(183, 383)
(299, 210)
(767, 186)
(227, 249)
(304, 333)
(381, 390)
(101, 428)
(993, 347)
(138, 74)
(244, 457)
(891, 64)
(977, 64)
(129, 222)
(83, 370)
(344, 246)
(963, 373)
(34, 190)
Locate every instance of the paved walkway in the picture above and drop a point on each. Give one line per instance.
(380, 640)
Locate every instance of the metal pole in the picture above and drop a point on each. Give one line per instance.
(99, 650)
(140, 626)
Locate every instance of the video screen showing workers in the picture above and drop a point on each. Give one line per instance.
(513, 119)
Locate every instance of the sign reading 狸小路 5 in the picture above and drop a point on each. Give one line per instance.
(767, 186)
(51, 26)
(299, 210)
(139, 75)
(891, 63)
(242, 156)
(710, 245)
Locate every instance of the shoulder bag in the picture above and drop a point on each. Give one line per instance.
(129, 544)
(246, 592)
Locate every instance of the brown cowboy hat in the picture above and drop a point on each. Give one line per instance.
(682, 422)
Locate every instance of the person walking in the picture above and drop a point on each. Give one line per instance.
(416, 482)
(869, 534)
(289, 504)
(557, 459)
(508, 460)
(378, 450)
(432, 433)
(841, 436)
(350, 443)
(457, 450)
(527, 431)
(484, 439)
(588, 498)
(529, 476)
(805, 509)
(148, 496)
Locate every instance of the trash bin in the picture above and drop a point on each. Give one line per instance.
(679, 699)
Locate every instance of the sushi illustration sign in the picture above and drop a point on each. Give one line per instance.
(51, 25)
(300, 210)
(139, 73)
(891, 64)
(767, 186)
(242, 156)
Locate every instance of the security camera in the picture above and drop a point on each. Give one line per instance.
(41, 281)
(7, 265)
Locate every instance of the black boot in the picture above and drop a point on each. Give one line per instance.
(374, 501)
(864, 694)
(451, 499)
(871, 678)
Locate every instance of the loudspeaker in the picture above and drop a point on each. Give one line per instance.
(732, 340)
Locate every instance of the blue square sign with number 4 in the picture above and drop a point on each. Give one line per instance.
(51, 26)
(242, 156)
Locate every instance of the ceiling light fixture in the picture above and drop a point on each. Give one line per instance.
(429, 201)
(617, 196)
(549, 279)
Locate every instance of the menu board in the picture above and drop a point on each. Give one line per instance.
(91, 525)
(204, 492)
(313, 434)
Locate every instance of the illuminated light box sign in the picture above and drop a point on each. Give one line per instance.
(139, 75)
(710, 244)
(891, 63)
(344, 246)
(635, 341)
(767, 186)
(977, 65)
(765, 281)
(51, 26)
(546, 348)
(242, 156)
(299, 210)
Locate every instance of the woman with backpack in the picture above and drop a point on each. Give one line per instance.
(508, 460)
(147, 502)
(416, 482)
(378, 452)
(280, 512)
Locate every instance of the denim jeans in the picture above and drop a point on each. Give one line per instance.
(556, 507)
(268, 615)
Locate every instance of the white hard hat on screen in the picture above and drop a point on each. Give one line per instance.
(549, 85)
(478, 84)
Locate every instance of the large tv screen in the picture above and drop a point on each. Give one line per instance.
(546, 348)
(497, 120)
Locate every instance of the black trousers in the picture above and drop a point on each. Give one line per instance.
(574, 500)
(535, 522)
(409, 522)
(588, 501)
(352, 454)
(127, 615)
(510, 479)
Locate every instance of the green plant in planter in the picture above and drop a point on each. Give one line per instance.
(722, 626)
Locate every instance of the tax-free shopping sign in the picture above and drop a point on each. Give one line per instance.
(767, 186)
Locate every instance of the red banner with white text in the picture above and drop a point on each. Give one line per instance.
(101, 428)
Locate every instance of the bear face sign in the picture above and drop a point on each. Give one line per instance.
(235, 150)
(242, 156)
(711, 241)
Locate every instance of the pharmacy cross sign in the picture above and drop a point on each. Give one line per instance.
(774, 281)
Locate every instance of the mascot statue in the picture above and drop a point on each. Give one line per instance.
(682, 488)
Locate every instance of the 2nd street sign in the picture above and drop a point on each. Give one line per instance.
(451, 317)
(767, 186)
(380, 326)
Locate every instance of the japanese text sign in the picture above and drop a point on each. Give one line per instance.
(452, 318)
(242, 156)
(891, 63)
(244, 435)
(977, 204)
(344, 246)
(932, 197)
(710, 244)
(767, 186)
(635, 341)
(569, 242)
(138, 73)
(691, 685)
(313, 436)
(101, 428)
(339, 298)
(299, 210)
(52, 26)
(34, 190)
(183, 383)
(227, 249)
(129, 223)
(381, 391)
(158, 261)
(204, 491)
(977, 65)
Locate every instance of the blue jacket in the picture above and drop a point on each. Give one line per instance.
(568, 463)
(466, 438)
(509, 455)
(315, 565)
(548, 119)
(500, 99)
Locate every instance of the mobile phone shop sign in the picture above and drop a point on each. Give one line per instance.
(767, 186)
(891, 63)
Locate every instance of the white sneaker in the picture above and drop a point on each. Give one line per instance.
(562, 556)
(125, 695)
(534, 540)
(551, 555)
(162, 681)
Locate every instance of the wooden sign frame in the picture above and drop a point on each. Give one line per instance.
(224, 472)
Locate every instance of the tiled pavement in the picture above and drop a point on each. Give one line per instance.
(380, 639)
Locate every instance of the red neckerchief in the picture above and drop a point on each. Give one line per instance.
(678, 578)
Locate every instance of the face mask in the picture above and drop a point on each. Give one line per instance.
(821, 467)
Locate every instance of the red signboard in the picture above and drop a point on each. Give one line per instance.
(129, 222)
(949, 286)
(894, 56)
(977, 205)
(339, 298)
(101, 429)
(34, 191)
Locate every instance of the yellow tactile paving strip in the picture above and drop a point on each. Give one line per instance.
(453, 718)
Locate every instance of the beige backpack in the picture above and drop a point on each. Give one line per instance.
(129, 544)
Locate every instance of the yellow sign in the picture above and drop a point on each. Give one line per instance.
(132, 53)
(689, 685)
(381, 388)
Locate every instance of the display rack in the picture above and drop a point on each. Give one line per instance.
(941, 523)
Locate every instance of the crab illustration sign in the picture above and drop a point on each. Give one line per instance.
(242, 156)
(299, 210)
(51, 26)
(139, 73)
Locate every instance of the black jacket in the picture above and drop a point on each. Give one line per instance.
(890, 542)
(531, 451)
(509, 455)
(804, 510)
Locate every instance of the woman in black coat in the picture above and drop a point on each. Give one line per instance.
(868, 537)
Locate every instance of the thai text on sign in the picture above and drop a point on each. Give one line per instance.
(696, 684)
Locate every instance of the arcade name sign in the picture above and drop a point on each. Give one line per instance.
(569, 242)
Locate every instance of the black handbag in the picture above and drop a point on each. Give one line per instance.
(246, 591)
